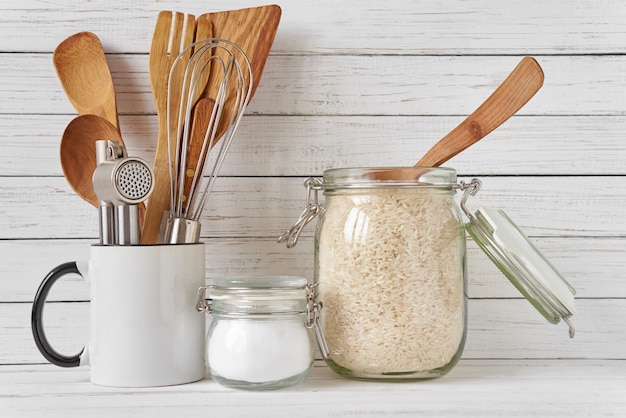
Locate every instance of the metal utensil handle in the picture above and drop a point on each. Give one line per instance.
(127, 231)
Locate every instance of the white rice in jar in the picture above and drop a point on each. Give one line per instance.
(390, 265)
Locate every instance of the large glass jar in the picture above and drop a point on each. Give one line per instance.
(390, 269)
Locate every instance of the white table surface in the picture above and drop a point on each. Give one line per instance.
(475, 388)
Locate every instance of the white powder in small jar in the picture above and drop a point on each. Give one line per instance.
(391, 275)
(258, 351)
(258, 338)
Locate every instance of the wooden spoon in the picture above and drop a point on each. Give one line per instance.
(78, 155)
(78, 152)
(514, 92)
(82, 68)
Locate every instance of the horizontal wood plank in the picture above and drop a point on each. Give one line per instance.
(593, 266)
(349, 85)
(46, 207)
(307, 145)
(329, 27)
(497, 329)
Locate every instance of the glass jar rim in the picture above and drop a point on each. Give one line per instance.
(259, 295)
(386, 177)
(258, 285)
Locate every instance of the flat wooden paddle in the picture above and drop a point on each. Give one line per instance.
(514, 92)
(194, 163)
(82, 68)
(253, 30)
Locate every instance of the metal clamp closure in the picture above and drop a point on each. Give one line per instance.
(469, 189)
(202, 305)
(313, 310)
(312, 209)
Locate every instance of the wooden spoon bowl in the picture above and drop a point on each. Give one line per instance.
(78, 152)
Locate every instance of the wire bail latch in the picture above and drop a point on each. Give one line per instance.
(313, 208)
(313, 310)
(469, 189)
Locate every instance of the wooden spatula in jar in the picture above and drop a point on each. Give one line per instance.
(514, 92)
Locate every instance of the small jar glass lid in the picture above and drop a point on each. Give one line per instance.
(523, 264)
(259, 295)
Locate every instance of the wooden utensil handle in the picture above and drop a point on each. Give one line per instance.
(514, 92)
(196, 155)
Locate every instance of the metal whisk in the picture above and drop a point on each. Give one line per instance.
(225, 66)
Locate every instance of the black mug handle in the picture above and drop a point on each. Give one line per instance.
(36, 319)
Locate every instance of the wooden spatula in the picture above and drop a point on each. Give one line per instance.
(85, 76)
(514, 92)
(253, 30)
(510, 96)
(200, 126)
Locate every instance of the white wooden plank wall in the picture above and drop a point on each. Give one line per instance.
(348, 83)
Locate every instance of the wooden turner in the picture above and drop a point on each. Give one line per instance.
(200, 126)
(84, 73)
(253, 30)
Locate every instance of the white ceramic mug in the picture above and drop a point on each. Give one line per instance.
(145, 329)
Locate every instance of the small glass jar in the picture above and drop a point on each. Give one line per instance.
(258, 338)
(390, 264)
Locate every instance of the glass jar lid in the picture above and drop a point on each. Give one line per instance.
(521, 262)
(258, 295)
